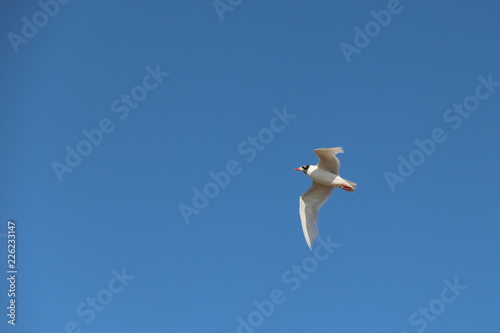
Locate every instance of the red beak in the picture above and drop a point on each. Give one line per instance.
(298, 169)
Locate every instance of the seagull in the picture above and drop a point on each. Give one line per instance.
(325, 176)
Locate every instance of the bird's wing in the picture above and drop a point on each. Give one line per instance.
(328, 160)
(310, 203)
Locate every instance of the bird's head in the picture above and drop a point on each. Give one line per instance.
(302, 168)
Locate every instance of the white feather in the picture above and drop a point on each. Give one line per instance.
(310, 203)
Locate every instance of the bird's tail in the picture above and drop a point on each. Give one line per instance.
(352, 186)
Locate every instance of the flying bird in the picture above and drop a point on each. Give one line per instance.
(325, 176)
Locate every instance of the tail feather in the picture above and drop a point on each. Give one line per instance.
(351, 184)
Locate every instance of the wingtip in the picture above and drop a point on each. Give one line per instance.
(310, 242)
(335, 150)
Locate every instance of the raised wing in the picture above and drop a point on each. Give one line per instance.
(310, 203)
(328, 160)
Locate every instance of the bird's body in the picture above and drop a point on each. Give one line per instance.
(325, 177)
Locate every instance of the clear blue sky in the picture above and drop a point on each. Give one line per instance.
(405, 235)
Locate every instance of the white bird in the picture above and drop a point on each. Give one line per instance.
(325, 176)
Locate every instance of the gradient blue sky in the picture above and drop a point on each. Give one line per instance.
(119, 208)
